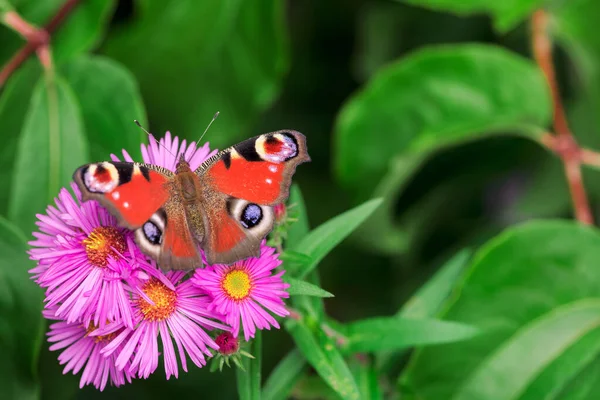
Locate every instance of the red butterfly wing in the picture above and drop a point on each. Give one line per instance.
(259, 169)
(131, 191)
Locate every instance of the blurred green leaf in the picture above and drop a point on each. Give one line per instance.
(230, 57)
(506, 13)
(297, 232)
(434, 98)
(367, 379)
(21, 323)
(325, 358)
(544, 339)
(300, 227)
(392, 333)
(110, 101)
(321, 240)
(80, 32)
(52, 145)
(284, 377)
(248, 381)
(428, 300)
(14, 99)
(302, 288)
(524, 274)
(567, 369)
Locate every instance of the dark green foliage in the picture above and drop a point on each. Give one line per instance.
(411, 271)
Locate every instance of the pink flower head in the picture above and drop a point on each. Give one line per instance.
(246, 291)
(174, 310)
(83, 258)
(80, 350)
(167, 154)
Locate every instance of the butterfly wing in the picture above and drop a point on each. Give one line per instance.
(139, 196)
(241, 185)
(132, 192)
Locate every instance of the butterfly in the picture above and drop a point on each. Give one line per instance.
(225, 207)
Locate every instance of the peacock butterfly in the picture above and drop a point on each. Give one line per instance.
(225, 207)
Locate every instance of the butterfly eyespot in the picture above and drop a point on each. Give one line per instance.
(251, 216)
(152, 232)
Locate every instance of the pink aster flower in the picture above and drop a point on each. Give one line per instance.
(80, 350)
(173, 310)
(82, 258)
(246, 291)
(167, 153)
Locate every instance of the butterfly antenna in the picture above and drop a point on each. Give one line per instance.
(152, 137)
(206, 130)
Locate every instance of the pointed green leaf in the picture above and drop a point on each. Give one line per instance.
(302, 288)
(299, 228)
(321, 240)
(52, 145)
(427, 301)
(284, 376)
(14, 100)
(367, 379)
(375, 334)
(110, 100)
(325, 358)
(500, 377)
(521, 279)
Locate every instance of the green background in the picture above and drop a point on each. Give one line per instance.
(434, 106)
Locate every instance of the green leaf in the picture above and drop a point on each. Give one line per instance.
(110, 101)
(392, 333)
(80, 32)
(430, 297)
(299, 228)
(321, 240)
(506, 13)
(14, 99)
(233, 55)
(284, 377)
(248, 381)
(302, 288)
(500, 377)
(367, 378)
(525, 275)
(324, 357)
(567, 369)
(21, 323)
(437, 97)
(52, 145)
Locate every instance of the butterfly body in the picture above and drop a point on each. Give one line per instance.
(224, 207)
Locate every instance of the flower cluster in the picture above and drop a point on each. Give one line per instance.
(112, 308)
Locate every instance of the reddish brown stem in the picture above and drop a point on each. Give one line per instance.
(33, 45)
(566, 146)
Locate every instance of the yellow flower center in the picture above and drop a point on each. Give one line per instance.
(236, 284)
(164, 300)
(104, 338)
(104, 242)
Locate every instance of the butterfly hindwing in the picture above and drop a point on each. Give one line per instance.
(167, 238)
(244, 182)
(132, 192)
(234, 228)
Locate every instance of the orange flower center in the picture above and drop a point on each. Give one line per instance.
(104, 242)
(104, 338)
(237, 284)
(165, 301)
